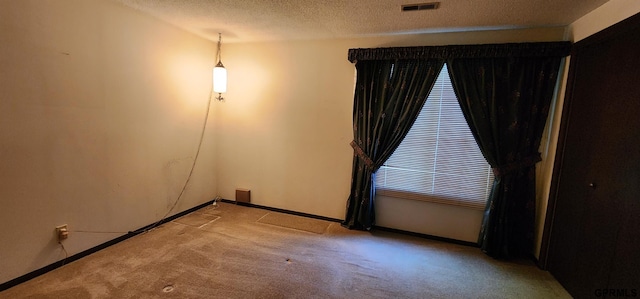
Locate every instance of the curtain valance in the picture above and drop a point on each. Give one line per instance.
(539, 49)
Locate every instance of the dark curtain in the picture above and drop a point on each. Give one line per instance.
(388, 98)
(506, 100)
(504, 90)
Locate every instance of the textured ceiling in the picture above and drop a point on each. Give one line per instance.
(264, 20)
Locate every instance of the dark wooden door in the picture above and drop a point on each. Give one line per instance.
(594, 237)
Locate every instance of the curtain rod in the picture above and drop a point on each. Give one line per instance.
(537, 49)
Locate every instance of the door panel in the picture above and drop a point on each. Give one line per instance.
(594, 241)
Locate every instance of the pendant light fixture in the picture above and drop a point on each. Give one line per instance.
(219, 74)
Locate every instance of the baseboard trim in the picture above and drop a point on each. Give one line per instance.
(381, 228)
(77, 256)
(426, 236)
(247, 204)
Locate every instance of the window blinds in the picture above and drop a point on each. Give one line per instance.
(439, 160)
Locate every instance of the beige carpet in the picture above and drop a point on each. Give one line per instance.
(198, 220)
(295, 222)
(226, 253)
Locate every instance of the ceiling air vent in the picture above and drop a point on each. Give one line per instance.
(420, 6)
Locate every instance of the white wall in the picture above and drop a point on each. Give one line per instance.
(604, 16)
(101, 110)
(285, 128)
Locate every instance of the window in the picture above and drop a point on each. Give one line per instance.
(439, 160)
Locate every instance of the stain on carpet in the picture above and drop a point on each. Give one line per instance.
(295, 222)
(196, 219)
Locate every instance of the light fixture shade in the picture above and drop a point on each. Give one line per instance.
(219, 78)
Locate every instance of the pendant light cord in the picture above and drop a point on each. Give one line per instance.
(195, 159)
(193, 165)
(219, 56)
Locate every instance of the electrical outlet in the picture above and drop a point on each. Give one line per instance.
(62, 231)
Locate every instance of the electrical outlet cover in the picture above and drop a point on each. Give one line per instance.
(62, 231)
